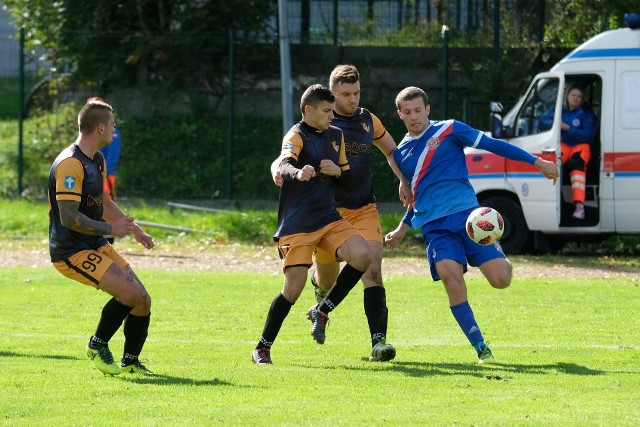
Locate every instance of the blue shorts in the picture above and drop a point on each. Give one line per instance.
(446, 238)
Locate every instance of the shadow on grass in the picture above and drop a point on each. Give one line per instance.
(151, 379)
(423, 369)
(39, 356)
(157, 379)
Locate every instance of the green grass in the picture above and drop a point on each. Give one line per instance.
(567, 351)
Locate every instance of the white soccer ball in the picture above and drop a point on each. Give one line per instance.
(485, 226)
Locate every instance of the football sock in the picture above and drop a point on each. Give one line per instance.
(136, 329)
(278, 311)
(375, 307)
(113, 314)
(464, 316)
(347, 280)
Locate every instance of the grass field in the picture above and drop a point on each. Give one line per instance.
(567, 350)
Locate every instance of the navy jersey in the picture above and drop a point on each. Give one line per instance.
(434, 163)
(360, 133)
(310, 205)
(74, 176)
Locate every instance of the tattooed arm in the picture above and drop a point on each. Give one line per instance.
(73, 219)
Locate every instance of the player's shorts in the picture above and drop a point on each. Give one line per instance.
(88, 267)
(365, 219)
(297, 249)
(447, 238)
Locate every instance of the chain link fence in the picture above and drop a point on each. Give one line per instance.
(200, 114)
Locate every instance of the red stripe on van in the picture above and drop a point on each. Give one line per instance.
(621, 162)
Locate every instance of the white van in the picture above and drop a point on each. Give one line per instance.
(536, 213)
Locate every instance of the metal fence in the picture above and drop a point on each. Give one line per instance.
(232, 85)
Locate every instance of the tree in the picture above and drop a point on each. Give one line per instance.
(174, 43)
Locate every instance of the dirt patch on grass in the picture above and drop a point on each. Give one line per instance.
(264, 259)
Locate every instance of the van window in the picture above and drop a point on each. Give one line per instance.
(541, 97)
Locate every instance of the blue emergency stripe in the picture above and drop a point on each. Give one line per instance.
(603, 53)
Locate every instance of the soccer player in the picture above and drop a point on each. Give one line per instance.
(357, 203)
(81, 213)
(432, 159)
(313, 159)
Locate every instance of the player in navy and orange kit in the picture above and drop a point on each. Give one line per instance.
(312, 160)
(80, 214)
(431, 157)
(357, 203)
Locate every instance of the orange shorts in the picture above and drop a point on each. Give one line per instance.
(88, 267)
(297, 249)
(365, 219)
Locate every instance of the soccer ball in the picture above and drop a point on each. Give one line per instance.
(485, 226)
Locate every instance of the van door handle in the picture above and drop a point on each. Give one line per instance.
(549, 150)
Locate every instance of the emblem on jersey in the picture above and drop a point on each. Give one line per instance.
(94, 200)
(576, 122)
(433, 143)
(69, 182)
(335, 146)
(365, 127)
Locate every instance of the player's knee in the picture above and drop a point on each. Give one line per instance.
(501, 279)
(372, 277)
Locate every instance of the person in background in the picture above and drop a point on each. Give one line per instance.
(577, 130)
(111, 154)
(431, 157)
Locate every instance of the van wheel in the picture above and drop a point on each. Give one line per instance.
(516, 236)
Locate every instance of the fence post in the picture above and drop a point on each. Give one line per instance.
(21, 116)
(230, 117)
(445, 71)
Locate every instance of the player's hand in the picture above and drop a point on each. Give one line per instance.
(123, 226)
(548, 169)
(393, 237)
(327, 167)
(306, 173)
(406, 195)
(143, 238)
(277, 179)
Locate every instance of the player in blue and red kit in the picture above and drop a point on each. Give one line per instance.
(431, 157)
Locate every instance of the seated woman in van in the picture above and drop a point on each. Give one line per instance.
(578, 126)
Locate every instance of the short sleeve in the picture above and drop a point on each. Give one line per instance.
(69, 176)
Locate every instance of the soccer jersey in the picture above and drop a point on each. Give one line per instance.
(307, 206)
(74, 176)
(361, 131)
(434, 164)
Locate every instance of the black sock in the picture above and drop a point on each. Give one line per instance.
(347, 280)
(278, 311)
(375, 307)
(113, 313)
(136, 329)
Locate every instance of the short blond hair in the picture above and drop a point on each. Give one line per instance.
(94, 112)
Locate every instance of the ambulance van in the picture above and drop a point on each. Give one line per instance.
(537, 214)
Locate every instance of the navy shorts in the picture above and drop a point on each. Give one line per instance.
(446, 238)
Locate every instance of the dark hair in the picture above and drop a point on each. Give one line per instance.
(409, 93)
(344, 73)
(314, 95)
(93, 113)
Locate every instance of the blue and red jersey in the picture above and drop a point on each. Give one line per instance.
(435, 166)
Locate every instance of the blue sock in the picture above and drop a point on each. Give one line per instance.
(464, 316)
